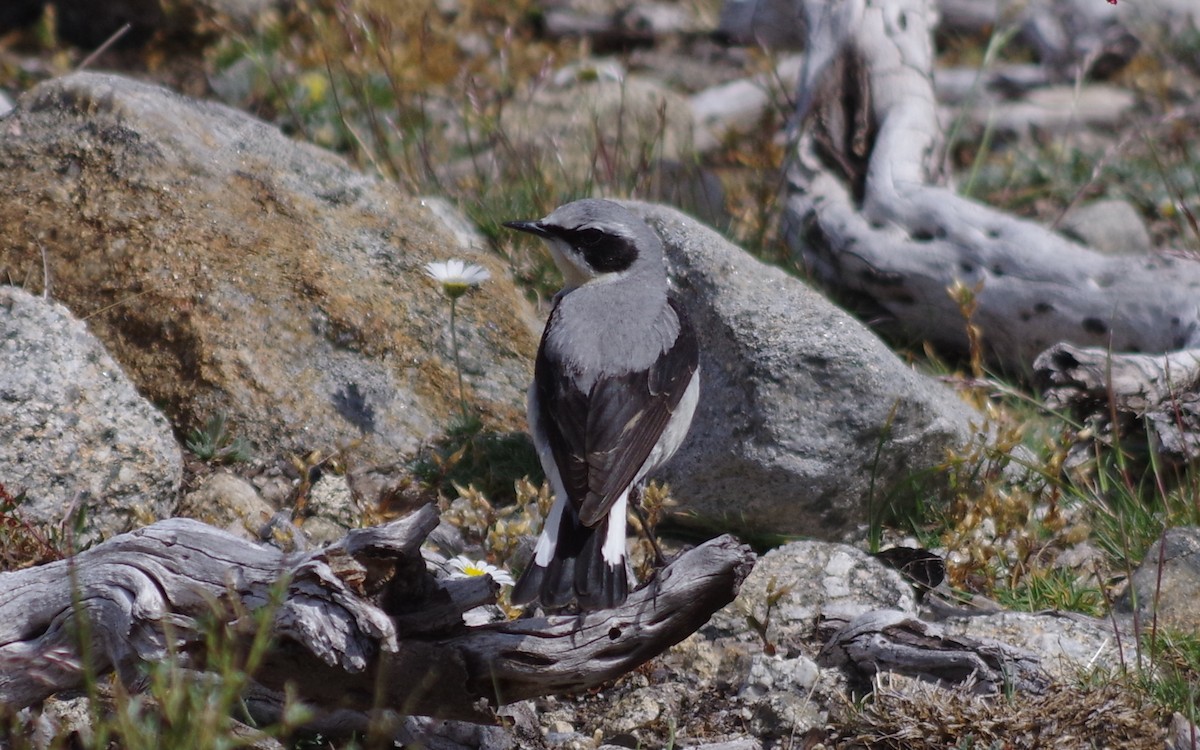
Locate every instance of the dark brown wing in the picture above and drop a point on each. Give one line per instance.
(601, 438)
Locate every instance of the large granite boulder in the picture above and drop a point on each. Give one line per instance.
(76, 438)
(230, 269)
(806, 417)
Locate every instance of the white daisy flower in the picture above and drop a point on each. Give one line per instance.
(464, 567)
(456, 277)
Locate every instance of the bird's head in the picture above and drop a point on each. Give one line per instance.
(596, 239)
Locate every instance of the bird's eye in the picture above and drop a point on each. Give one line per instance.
(589, 238)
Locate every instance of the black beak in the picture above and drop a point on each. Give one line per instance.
(533, 227)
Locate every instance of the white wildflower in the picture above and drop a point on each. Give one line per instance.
(464, 567)
(456, 277)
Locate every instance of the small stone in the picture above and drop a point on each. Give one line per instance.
(1112, 227)
(64, 722)
(228, 502)
(774, 24)
(561, 727)
(705, 661)
(639, 709)
(784, 714)
(1167, 583)
(275, 489)
(771, 674)
(322, 531)
(330, 498)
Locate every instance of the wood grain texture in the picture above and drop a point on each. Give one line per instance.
(892, 641)
(1122, 397)
(866, 213)
(361, 624)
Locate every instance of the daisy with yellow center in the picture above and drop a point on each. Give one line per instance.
(456, 278)
(462, 566)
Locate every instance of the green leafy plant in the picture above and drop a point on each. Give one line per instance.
(216, 444)
(471, 455)
(1053, 589)
(762, 627)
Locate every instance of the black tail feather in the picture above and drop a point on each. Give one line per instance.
(598, 584)
(528, 586)
(576, 572)
(557, 589)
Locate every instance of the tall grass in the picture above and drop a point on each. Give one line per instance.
(1005, 538)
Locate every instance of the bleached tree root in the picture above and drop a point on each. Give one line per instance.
(888, 641)
(359, 625)
(866, 215)
(1122, 397)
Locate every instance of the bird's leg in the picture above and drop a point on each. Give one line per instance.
(635, 502)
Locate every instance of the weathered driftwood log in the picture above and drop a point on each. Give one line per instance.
(1069, 38)
(359, 625)
(892, 641)
(1122, 397)
(865, 214)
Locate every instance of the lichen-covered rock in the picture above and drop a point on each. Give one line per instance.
(75, 435)
(230, 269)
(794, 584)
(1165, 588)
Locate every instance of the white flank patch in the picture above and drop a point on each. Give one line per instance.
(613, 550)
(675, 431)
(549, 538)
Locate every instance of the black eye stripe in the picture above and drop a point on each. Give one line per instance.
(604, 252)
(588, 238)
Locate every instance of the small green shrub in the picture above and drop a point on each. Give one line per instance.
(216, 444)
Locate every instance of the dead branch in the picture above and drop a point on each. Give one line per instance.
(883, 641)
(866, 214)
(362, 624)
(1122, 397)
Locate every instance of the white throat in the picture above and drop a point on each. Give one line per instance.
(572, 275)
